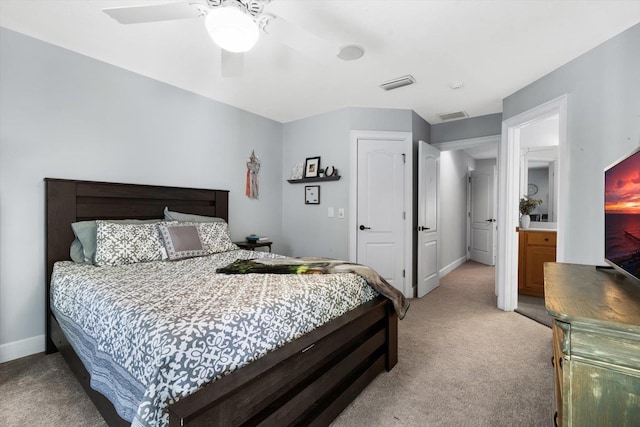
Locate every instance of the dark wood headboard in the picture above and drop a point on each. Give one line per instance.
(68, 201)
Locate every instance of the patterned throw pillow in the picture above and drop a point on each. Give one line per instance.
(215, 237)
(181, 240)
(118, 244)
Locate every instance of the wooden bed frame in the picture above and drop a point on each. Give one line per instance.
(307, 382)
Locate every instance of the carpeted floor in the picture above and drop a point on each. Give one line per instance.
(462, 363)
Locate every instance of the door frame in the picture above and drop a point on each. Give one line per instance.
(508, 195)
(405, 138)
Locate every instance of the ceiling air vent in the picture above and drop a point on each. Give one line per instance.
(453, 116)
(398, 82)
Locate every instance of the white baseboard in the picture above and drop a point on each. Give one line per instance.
(455, 264)
(22, 348)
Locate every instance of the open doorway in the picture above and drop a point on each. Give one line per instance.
(480, 225)
(539, 141)
(513, 185)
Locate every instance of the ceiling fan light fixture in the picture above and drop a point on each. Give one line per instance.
(232, 29)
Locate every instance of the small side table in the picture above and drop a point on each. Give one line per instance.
(253, 245)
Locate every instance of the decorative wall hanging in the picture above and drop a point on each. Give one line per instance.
(253, 167)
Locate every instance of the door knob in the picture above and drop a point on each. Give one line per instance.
(490, 220)
(362, 227)
(421, 228)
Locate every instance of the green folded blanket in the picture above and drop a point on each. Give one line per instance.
(307, 265)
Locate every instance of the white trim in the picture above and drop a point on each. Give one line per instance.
(468, 213)
(21, 348)
(455, 264)
(407, 139)
(463, 144)
(509, 195)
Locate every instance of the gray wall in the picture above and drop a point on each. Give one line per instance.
(308, 231)
(420, 128)
(454, 166)
(604, 124)
(475, 127)
(307, 228)
(65, 115)
(485, 163)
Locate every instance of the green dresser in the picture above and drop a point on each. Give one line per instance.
(596, 343)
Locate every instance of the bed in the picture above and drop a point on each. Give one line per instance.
(308, 381)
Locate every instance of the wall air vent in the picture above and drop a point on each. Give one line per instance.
(453, 116)
(398, 82)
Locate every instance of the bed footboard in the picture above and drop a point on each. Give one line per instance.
(307, 382)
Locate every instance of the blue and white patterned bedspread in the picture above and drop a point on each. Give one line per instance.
(151, 333)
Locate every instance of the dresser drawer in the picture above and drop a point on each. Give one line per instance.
(542, 238)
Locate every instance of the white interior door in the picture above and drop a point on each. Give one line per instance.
(428, 241)
(483, 222)
(380, 208)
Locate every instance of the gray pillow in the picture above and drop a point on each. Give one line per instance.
(181, 240)
(75, 252)
(85, 232)
(185, 217)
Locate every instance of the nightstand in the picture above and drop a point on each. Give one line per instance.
(253, 245)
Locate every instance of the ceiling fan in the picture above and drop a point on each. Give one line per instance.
(234, 25)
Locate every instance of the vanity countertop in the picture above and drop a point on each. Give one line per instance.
(518, 229)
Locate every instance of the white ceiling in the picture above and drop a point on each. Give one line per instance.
(482, 152)
(493, 47)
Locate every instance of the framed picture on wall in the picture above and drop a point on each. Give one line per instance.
(312, 167)
(312, 195)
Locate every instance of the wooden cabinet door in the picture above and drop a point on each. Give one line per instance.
(535, 248)
(536, 257)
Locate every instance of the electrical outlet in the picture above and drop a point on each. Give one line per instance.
(341, 213)
(330, 213)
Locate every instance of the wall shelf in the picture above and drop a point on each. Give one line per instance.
(318, 179)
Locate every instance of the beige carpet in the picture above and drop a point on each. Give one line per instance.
(462, 363)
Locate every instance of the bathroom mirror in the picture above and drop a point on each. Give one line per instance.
(538, 181)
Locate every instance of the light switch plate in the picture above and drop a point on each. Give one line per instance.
(341, 213)
(330, 213)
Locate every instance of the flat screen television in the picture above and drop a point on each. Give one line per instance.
(622, 215)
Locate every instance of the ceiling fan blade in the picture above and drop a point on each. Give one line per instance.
(232, 64)
(152, 13)
(301, 40)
